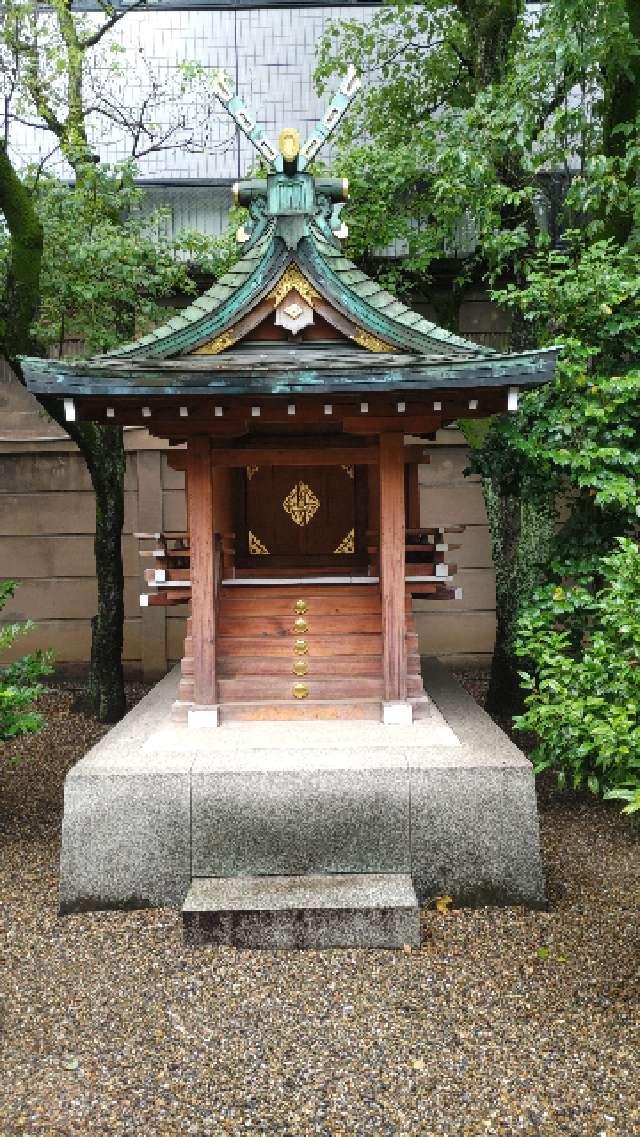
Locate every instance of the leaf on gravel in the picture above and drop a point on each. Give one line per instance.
(543, 953)
(70, 1064)
(443, 904)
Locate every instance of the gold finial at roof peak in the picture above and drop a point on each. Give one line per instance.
(289, 143)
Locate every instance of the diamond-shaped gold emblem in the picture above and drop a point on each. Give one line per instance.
(294, 310)
(301, 504)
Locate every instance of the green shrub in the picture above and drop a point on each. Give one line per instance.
(19, 686)
(581, 641)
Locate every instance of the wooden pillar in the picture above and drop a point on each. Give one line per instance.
(392, 558)
(153, 648)
(200, 513)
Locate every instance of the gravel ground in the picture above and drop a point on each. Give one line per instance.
(505, 1022)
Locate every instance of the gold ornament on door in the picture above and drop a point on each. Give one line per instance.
(256, 548)
(347, 544)
(301, 504)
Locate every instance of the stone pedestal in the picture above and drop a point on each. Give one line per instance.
(448, 801)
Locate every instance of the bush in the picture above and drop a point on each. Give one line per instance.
(581, 641)
(19, 686)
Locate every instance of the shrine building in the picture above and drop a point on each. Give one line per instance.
(297, 395)
(292, 384)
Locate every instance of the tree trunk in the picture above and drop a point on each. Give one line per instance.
(491, 24)
(522, 528)
(105, 456)
(21, 300)
(621, 88)
(101, 446)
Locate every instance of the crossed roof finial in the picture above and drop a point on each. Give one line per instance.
(289, 156)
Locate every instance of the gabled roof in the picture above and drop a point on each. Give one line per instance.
(292, 269)
(357, 296)
(364, 338)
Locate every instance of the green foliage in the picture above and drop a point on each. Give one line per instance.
(579, 439)
(580, 635)
(469, 121)
(512, 139)
(19, 686)
(108, 268)
(582, 645)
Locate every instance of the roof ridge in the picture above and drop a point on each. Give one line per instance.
(198, 308)
(420, 325)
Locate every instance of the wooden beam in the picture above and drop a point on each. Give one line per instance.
(200, 508)
(402, 423)
(392, 529)
(296, 456)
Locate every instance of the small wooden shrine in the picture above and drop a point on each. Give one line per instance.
(291, 386)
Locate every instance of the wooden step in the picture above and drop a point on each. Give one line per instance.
(239, 605)
(370, 622)
(299, 585)
(270, 710)
(317, 645)
(301, 572)
(230, 667)
(281, 687)
(337, 644)
(255, 654)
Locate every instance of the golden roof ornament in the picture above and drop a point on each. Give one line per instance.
(289, 147)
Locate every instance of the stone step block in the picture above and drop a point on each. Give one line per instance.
(347, 910)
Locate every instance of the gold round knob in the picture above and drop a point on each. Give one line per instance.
(300, 647)
(300, 667)
(301, 607)
(300, 625)
(299, 690)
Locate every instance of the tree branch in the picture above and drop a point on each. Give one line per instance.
(91, 40)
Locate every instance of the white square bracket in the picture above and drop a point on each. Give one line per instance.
(397, 714)
(203, 718)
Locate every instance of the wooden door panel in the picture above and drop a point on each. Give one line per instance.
(300, 512)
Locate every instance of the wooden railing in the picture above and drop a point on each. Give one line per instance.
(428, 572)
(169, 579)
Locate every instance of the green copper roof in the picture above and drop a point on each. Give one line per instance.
(277, 369)
(337, 279)
(217, 308)
(293, 221)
